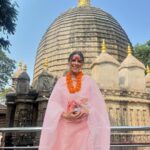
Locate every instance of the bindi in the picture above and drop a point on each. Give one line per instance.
(76, 57)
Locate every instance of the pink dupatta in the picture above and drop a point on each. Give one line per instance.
(98, 121)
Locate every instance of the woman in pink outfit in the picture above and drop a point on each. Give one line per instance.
(76, 117)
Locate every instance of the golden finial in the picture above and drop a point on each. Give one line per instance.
(46, 63)
(103, 46)
(147, 70)
(129, 50)
(82, 3)
(25, 68)
(20, 64)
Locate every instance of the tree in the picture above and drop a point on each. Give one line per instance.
(142, 52)
(6, 69)
(8, 17)
(3, 95)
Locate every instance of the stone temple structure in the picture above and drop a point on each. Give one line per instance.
(80, 28)
(120, 76)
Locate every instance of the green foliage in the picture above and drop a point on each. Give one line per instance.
(7, 65)
(8, 17)
(142, 52)
(3, 94)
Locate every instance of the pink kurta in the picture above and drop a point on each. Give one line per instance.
(89, 133)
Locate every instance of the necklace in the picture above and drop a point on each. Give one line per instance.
(70, 86)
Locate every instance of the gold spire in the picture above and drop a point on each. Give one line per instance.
(25, 68)
(82, 3)
(147, 70)
(129, 50)
(46, 63)
(18, 71)
(103, 46)
(20, 64)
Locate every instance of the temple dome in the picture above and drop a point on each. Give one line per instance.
(105, 58)
(105, 70)
(132, 73)
(131, 61)
(24, 76)
(80, 28)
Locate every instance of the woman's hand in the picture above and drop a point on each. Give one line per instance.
(71, 115)
(75, 115)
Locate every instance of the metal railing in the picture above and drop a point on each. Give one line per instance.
(113, 128)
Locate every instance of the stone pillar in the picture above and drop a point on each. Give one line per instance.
(23, 117)
(44, 86)
(10, 102)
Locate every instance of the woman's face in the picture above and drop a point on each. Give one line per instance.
(75, 63)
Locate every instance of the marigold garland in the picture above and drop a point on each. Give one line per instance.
(70, 85)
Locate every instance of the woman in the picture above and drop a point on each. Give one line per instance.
(76, 116)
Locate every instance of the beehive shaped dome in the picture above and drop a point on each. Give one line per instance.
(80, 28)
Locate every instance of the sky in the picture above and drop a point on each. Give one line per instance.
(35, 16)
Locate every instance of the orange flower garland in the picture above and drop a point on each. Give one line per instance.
(70, 85)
